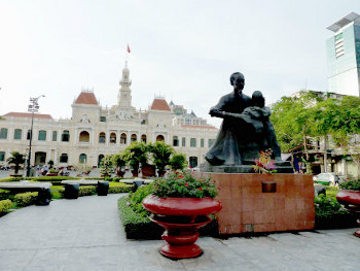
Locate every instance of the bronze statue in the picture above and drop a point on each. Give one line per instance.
(246, 129)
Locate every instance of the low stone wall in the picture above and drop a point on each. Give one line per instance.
(264, 203)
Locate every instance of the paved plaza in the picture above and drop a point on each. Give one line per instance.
(86, 234)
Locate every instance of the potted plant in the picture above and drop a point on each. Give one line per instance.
(181, 204)
(106, 166)
(161, 153)
(178, 161)
(349, 196)
(119, 162)
(17, 159)
(136, 154)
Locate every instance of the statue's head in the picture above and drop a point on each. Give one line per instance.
(257, 99)
(237, 80)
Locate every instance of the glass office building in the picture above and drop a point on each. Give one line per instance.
(343, 54)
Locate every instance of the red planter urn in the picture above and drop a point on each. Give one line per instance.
(351, 200)
(181, 218)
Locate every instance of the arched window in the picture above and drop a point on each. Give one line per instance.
(84, 136)
(160, 138)
(143, 138)
(65, 136)
(82, 158)
(64, 158)
(112, 137)
(133, 137)
(42, 135)
(100, 157)
(17, 133)
(102, 137)
(175, 141)
(123, 138)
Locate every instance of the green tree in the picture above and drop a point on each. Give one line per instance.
(178, 161)
(292, 118)
(135, 154)
(17, 159)
(161, 153)
(106, 166)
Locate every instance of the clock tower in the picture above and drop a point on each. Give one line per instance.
(124, 96)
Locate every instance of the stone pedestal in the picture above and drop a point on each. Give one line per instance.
(264, 203)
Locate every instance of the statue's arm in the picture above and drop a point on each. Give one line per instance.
(218, 110)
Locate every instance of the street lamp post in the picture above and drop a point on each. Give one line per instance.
(32, 107)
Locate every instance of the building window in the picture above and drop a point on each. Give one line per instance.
(133, 138)
(65, 137)
(17, 133)
(42, 135)
(210, 142)
(102, 137)
(112, 137)
(64, 158)
(339, 45)
(28, 135)
(123, 138)
(193, 161)
(3, 133)
(84, 136)
(100, 158)
(102, 118)
(54, 136)
(175, 141)
(160, 138)
(143, 138)
(192, 142)
(202, 143)
(2, 156)
(82, 158)
(183, 142)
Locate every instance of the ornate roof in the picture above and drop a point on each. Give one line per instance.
(160, 104)
(86, 97)
(27, 115)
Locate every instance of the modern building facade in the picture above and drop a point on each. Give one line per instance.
(94, 131)
(343, 54)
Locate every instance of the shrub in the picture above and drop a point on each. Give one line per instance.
(116, 187)
(4, 194)
(136, 198)
(57, 191)
(87, 190)
(137, 226)
(351, 185)
(5, 205)
(25, 199)
(330, 214)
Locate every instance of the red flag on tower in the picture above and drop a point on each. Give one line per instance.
(128, 49)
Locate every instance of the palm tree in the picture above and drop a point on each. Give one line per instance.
(161, 153)
(17, 159)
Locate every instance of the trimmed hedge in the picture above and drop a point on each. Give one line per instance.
(329, 214)
(4, 194)
(115, 187)
(25, 199)
(87, 190)
(5, 206)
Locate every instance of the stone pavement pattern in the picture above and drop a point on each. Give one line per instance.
(86, 234)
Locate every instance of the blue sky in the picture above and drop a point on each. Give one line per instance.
(182, 50)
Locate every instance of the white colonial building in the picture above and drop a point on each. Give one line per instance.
(94, 131)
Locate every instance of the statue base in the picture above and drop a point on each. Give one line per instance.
(255, 203)
(246, 167)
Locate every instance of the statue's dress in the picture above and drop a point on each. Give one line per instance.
(226, 149)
